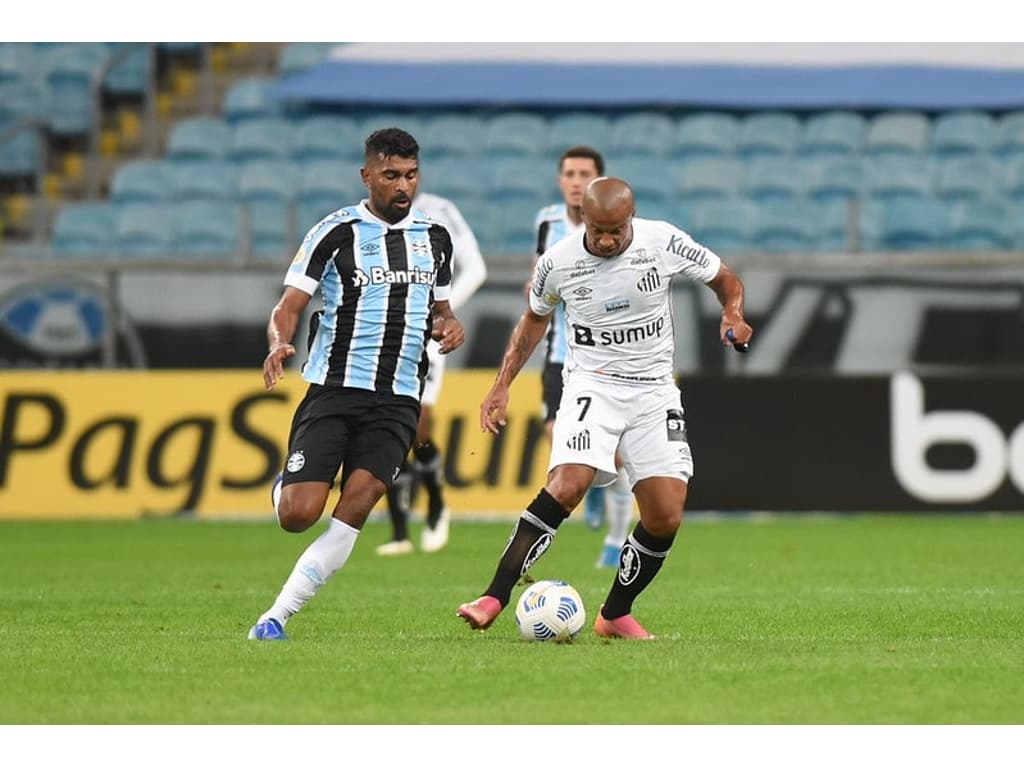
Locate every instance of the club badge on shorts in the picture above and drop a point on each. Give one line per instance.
(295, 462)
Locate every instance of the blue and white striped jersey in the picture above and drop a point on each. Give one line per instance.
(378, 282)
(553, 225)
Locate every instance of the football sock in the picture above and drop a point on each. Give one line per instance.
(593, 505)
(620, 510)
(534, 531)
(399, 503)
(314, 567)
(427, 464)
(639, 562)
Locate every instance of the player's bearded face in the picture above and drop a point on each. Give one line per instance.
(392, 183)
(609, 238)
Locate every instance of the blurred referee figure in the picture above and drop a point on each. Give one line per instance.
(577, 167)
(619, 395)
(468, 273)
(384, 275)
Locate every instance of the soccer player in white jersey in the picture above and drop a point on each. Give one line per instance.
(619, 392)
(468, 273)
(577, 167)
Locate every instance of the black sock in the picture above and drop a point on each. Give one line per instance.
(428, 471)
(398, 504)
(530, 539)
(639, 562)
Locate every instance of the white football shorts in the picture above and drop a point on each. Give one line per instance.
(435, 374)
(643, 422)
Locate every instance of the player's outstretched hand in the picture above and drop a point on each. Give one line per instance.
(273, 365)
(738, 334)
(493, 410)
(448, 332)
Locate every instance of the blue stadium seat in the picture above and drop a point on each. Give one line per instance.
(1013, 177)
(205, 138)
(966, 177)
(768, 133)
(327, 137)
(298, 57)
(23, 99)
(1017, 225)
(19, 62)
(1010, 134)
(785, 226)
(142, 181)
(130, 72)
(512, 179)
(571, 129)
(772, 177)
(705, 177)
(640, 134)
(516, 134)
(249, 98)
(84, 229)
(898, 133)
(980, 225)
(703, 134)
(145, 229)
(451, 134)
(914, 224)
(456, 178)
(268, 180)
(836, 224)
(326, 187)
(663, 209)
(963, 133)
(900, 176)
(410, 122)
(516, 233)
(208, 228)
(70, 70)
(724, 225)
(833, 178)
(269, 230)
(261, 139)
(22, 155)
(835, 133)
(870, 218)
(651, 178)
(204, 179)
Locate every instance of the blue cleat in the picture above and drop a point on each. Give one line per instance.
(609, 557)
(270, 629)
(593, 508)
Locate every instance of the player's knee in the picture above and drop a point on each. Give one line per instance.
(296, 516)
(567, 490)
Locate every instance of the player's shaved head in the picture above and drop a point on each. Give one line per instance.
(608, 215)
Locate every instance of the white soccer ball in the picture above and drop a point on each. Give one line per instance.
(550, 610)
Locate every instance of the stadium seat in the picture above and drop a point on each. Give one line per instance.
(268, 227)
(130, 70)
(208, 228)
(1013, 177)
(768, 133)
(898, 133)
(142, 181)
(249, 98)
(204, 179)
(261, 139)
(640, 134)
(327, 137)
(704, 134)
(452, 134)
(326, 187)
(966, 177)
(70, 70)
(900, 176)
(455, 178)
(650, 177)
(205, 138)
(772, 177)
(785, 226)
(963, 133)
(836, 224)
(409, 122)
(511, 179)
(980, 225)
(663, 209)
(705, 177)
(22, 99)
(870, 218)
(515, 134)
(268, 180)
(833, 178)
(835, 133)
(19, 62)
(22, 155)
(571, 129)
(516, 233)
(914, 224)
(1010, 134)
(724, 225)
(84, 229)
(144, 230)
(298, 57)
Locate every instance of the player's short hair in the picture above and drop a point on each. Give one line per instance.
(583, 151)
(391, 142)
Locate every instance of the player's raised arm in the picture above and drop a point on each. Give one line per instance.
(525, 337)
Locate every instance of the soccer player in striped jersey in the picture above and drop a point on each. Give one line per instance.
(468, 273)
(578, 166)
(620, 395)
(384, 274)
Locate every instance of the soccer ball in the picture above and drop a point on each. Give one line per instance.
(550, 610)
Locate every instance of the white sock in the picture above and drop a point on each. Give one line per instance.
(620, 510)
(316, 565)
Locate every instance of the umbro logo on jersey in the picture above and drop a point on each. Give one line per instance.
(579, 441)
(369, 247)
(650, 281)
(582, 294)
(379, 275)
(694, 253)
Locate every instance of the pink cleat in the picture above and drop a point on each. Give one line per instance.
(480, 613)
(625, 627)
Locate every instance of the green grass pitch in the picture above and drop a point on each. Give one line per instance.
(860, 619)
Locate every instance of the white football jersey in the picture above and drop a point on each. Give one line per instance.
(618, 308)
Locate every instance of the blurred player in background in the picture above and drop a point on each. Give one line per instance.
(578, 166)
(620, 394)
(427, 469)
